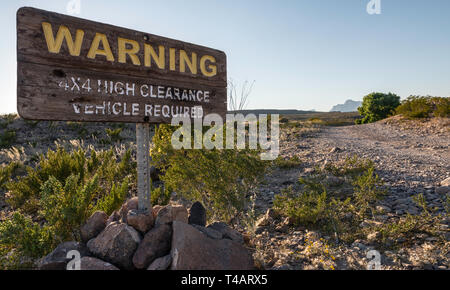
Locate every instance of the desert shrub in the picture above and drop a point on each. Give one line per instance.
(59, 194)
(352, 166)
(304, 208)
(25, 193)
(22, 239)
(287, 163)
(7, 138)
(415, 107)
(317, 205)
(114, 134)
(367, 190)
(221, 179)
(284, 120)
(442, 107)
(377, 106)
(406, 228)
(424, 107)
(160, 196)
(8, 172)
(8, 118)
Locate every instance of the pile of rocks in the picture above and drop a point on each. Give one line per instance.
(169, 237)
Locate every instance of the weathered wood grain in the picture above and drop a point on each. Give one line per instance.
(40, 73)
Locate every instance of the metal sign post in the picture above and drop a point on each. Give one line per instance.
(143, 166)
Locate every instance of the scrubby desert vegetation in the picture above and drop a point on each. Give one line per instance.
(335, 192)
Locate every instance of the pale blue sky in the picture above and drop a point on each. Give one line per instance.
(303, 54)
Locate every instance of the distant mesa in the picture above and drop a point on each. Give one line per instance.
(348, 106)
(271, 111)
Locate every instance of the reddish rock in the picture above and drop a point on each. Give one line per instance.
(141, 221)
(156, 243)
(94, 225)
(114, 217)
(213, 234)
(156, 210)
(162, 263)
(445, 182)
(130, 204)
(116, 244)
(192, 250)
(89, 263)
(171, 213)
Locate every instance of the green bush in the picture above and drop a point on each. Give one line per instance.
(442, 107)
(305, 208)
(8, 172)
(317, 205)
(424, 107)
(114, 134)
(7, 138)
(22, 239)
(377, 106)
(221, 179)
(25, 192)
(288, 163)
(59, 194)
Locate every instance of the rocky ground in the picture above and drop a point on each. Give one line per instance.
(411, 157)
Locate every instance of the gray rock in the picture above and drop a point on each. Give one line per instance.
(116, 244)
(130, 204)
(89, 263)
(114, 217)
(171, 213)
(335, 150)
(211, 233)
(156, 244)
(162, 263)
(94, 225)
(141, 221)
(227, 232)
(57, 260)
(192, 250)
(334, 181)
(443, 190)
(373, 237)
(197, 214)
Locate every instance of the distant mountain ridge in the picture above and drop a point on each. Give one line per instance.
(273, 111)
(348, 106)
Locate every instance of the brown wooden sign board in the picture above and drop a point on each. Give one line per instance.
(71, 69)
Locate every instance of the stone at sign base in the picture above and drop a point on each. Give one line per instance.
(130, 204)
(171, 213)
(155, 244)
(227, 232)
(94, 225)
(162, 263)
(141, 221)
(89, 263)
(192, 250)
(116, 245)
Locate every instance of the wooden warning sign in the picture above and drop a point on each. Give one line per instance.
(71, 69)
